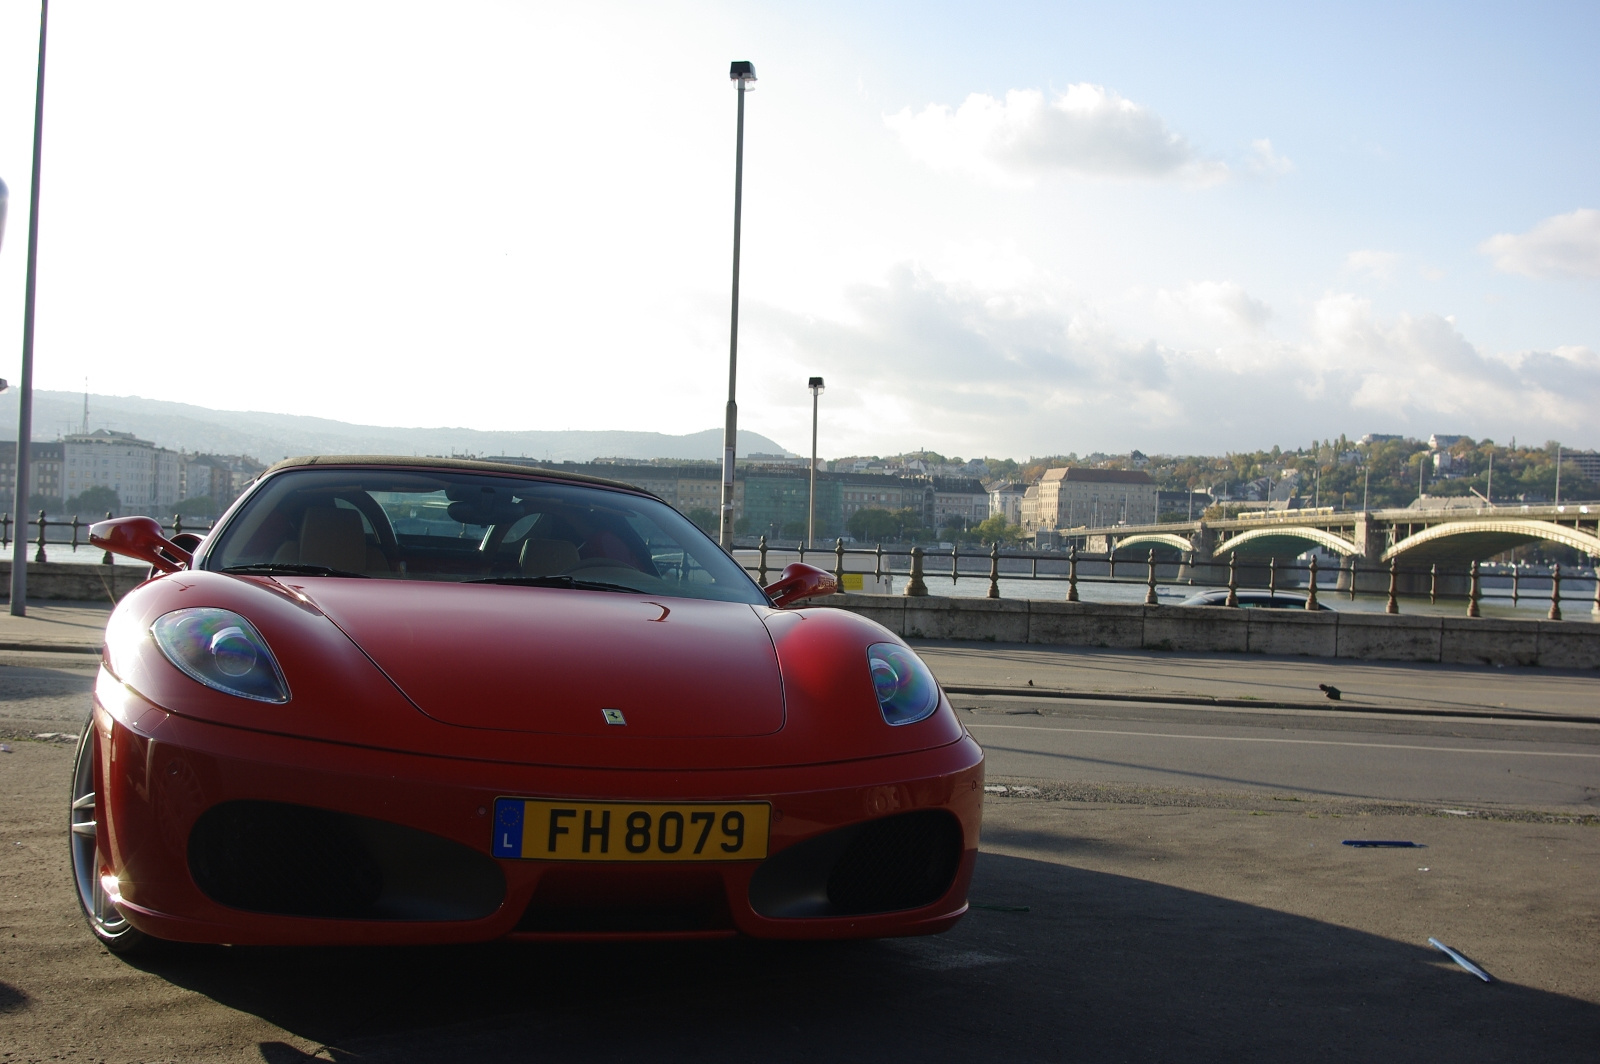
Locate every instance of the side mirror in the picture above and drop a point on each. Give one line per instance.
(801, 581)
(141, 538)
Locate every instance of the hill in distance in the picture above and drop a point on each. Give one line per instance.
(269, 437)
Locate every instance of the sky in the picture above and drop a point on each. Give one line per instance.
(1006, 229)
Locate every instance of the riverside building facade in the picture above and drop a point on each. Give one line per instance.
(1078, 497)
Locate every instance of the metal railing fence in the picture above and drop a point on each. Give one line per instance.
(917, 566)
(72, 534)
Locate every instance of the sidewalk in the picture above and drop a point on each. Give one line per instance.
(1254, 677)
(63, 627)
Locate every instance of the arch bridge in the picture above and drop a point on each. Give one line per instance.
(1411, 537)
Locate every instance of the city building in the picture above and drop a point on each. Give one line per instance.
(44, 473)
(959, 502)
(776, 504)
(146, 478)
(757, 458)
(1005, 500)
(699, 487)
(874, 491)
(1077, 497)
(44, 463)
(1182, 504)
(1587, 463)
(687, 486)
(218, 477)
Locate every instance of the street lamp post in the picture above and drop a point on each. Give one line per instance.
(19, 559)
(744, 73)
(811, 509)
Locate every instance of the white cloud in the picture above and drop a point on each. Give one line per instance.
(1088, 131)
(1221, 302)
(1565, 245)
(1039, 372)
(1266, 162)
(1378, 265)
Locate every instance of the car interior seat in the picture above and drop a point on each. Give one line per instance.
(546, 557)
(333, 537)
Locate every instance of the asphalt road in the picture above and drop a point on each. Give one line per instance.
(1156, 883)
(1426, 760)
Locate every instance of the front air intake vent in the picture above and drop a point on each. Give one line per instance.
(296, 860)
(900, 862)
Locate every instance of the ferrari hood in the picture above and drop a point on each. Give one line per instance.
(553, 660)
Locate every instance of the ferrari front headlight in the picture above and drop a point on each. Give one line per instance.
(906, 690)
(222, 650)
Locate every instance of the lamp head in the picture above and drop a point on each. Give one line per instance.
(743, 71)
(815, 384)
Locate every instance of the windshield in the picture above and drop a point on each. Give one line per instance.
(473, 527)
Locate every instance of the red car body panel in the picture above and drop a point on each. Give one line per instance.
(419, 703)
(159, 771)
(529, 659)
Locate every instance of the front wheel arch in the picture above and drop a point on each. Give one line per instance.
(106, 922)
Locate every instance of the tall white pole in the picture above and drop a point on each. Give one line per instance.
(811, 502)
(730, 430)
(19, 557)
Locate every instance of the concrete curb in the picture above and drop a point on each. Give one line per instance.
(1210, 702)
(49, 648)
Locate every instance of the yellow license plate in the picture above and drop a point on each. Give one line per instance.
(539, 829)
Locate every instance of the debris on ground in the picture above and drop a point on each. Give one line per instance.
(1395, 843)
(1330, 690)
(1459, 959)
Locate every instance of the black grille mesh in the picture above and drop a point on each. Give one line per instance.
(291, 859)
(294, 860)
(899, 863)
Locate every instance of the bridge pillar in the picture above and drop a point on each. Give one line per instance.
(1202, 568)
(1371, 540)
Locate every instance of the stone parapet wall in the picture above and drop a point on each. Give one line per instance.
(1321, 634)
(58, 582)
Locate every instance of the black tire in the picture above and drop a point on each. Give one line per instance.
(105, 920)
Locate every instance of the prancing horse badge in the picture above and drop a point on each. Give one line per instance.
(614, 716)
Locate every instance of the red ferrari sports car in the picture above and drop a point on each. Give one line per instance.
(401, 700)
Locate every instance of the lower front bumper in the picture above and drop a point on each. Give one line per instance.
(160, 774)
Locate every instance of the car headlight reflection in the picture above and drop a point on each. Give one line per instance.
(906, 690)
(220, 649)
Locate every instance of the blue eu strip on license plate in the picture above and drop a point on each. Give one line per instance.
(507, 827)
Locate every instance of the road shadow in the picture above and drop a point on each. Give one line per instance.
(1100, 967)
(12, 999)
